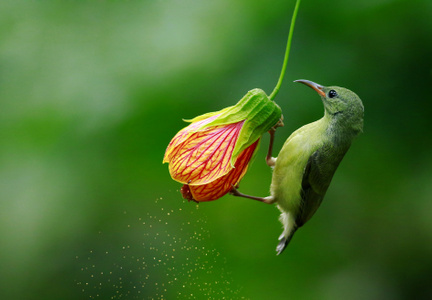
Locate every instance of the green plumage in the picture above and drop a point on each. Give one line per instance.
(309, 158)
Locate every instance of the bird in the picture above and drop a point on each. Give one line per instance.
(305, 165)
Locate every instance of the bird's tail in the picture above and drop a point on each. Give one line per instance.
(289, 229)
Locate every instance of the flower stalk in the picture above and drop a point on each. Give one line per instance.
(287, 52)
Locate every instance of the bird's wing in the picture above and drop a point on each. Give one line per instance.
(317, 176)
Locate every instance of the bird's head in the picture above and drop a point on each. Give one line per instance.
(341, 104)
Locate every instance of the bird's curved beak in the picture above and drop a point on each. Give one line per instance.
(317, 87)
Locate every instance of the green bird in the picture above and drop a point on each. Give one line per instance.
(309, 158)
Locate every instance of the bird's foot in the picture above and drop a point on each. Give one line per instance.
(280, 123)
(271, 161)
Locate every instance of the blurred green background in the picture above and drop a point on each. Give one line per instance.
(91, 92)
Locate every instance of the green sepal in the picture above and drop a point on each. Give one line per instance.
(207, 115)
(259, 112)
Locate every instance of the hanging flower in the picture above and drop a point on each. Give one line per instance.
(212, 154)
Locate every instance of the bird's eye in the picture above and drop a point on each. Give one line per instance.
(332, 94)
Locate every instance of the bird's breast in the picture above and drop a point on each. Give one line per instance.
(290, 165)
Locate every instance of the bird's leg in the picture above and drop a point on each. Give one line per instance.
(268, 199)
(270, 160)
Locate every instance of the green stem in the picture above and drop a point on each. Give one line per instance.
(287, 51)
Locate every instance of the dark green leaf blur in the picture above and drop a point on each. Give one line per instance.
(91, 92)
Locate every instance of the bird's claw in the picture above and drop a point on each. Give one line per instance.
(234, 190)
(280, 123)
(270, 160)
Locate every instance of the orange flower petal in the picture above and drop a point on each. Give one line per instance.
(221, 186)
(183, 134)
(205, 155)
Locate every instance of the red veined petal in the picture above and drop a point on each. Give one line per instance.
(205, 155)
(183, 134)
(221, 186)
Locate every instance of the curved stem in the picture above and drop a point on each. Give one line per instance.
(287, 51)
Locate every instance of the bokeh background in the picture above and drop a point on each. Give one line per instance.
(91, 92)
